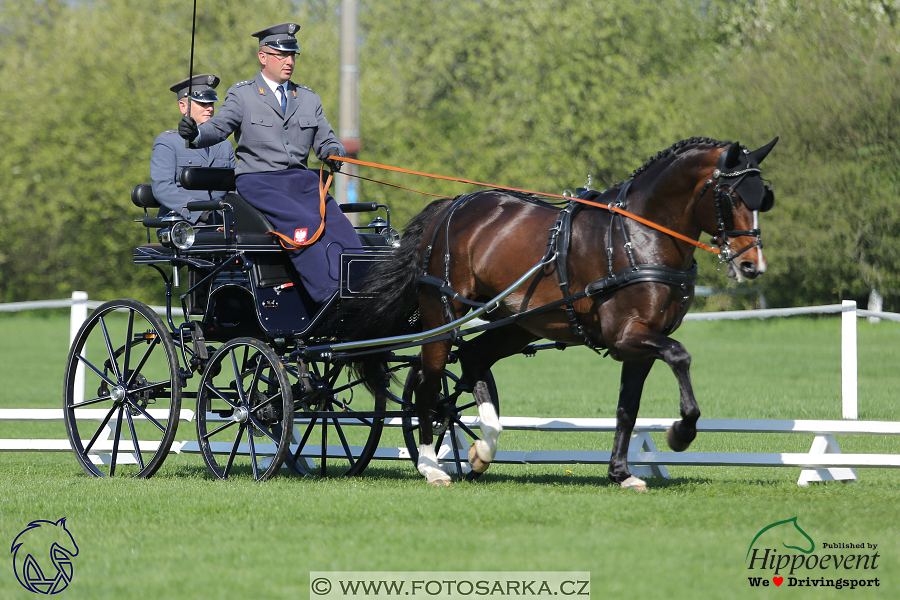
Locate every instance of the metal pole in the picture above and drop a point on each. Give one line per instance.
(347, 188)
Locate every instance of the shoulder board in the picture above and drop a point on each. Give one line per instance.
(304, 87)
(170, 131)
(242, 83)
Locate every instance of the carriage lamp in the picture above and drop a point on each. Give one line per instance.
(391, 235)
(183, 235)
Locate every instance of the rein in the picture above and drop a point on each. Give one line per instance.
(610, 207)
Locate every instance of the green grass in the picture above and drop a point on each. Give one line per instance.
(183, 535)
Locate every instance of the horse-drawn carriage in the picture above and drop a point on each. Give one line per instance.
(285, 381)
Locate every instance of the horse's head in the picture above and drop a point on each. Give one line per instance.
(728, 207)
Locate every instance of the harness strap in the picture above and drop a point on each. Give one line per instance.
(447, 290)
(641, 274)
(561, 239)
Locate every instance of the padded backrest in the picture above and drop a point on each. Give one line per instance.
(207, 178)
(142, 196)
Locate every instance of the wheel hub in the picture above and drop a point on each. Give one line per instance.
(117, 393)
(240, 414)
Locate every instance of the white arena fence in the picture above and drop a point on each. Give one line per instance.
(823, 462)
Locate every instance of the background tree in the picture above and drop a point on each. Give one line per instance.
(531, 93)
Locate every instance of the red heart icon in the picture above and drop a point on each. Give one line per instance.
(778, 580)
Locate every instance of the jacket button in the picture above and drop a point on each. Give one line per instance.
(285, 126)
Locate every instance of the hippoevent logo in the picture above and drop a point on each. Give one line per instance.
(782, 553)
(42, 556)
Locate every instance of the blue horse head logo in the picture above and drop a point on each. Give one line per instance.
(42, 556)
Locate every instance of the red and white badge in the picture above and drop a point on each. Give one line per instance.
(300, 235)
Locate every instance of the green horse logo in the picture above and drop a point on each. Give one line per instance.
(42, 556)
(785, 532)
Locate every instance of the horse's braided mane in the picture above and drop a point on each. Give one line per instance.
(678, 148)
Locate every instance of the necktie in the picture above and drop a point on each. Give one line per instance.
(283, 98)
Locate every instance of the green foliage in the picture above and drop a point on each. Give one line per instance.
(533, 94)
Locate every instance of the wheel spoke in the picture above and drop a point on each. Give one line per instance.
(89, 402)
(221, 396)
(465, 428)
(150, 347)
(255, 381)
(112, 355)
(99, 429)
(266, 402)
(253, 460)
(219, 429)
(340, 433)
(148, 416)
(346, 409)
(90, 366)
(129, 330)
(116, 436)
(324, 457)
(238, 380)
(148, 387)
(456, 460)
(134, 440)
(234, 449)
(302, 444)
(264, 430)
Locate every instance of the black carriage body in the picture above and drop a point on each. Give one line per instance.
(242, 283)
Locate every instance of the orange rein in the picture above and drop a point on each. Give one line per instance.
(624, 213)
(289, 244)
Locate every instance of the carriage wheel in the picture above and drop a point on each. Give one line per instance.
(122, 419)
(454, 403)
(244, 411)
(338, 423)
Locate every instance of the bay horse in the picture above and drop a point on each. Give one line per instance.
(460, 252)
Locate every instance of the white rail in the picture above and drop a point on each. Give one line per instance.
(823, 462)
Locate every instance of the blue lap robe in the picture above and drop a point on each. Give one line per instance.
(290, 200)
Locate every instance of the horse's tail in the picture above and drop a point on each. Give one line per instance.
(389, 299)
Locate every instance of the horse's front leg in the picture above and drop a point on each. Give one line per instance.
(638, 342)
(634, 374)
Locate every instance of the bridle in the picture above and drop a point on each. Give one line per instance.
(725, 201)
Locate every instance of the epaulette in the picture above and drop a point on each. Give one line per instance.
(241, 83)
(304, 87)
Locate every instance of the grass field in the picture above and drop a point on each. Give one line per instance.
(183, 535)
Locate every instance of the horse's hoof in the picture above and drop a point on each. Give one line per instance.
(674, 442)
(633, 483)
(439, 482)
(478, 465)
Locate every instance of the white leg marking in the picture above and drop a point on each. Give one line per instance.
(486, 447)
(633, 483)
(428, 466)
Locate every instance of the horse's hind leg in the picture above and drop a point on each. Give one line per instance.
(477, 356)
(433, 361)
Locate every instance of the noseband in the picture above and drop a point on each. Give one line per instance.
(725, 202)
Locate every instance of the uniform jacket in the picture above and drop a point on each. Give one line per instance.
(169, 158)
(267, 139)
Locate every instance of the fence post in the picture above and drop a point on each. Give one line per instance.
(848, 360)
(78, 316)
